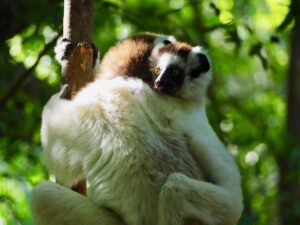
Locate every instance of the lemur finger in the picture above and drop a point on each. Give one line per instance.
(64, 91)
(63, 49)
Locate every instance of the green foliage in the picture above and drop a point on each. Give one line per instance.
(247, 41)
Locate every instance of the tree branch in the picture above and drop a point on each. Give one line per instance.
(198, 22)
(14, 88)
(294, 77)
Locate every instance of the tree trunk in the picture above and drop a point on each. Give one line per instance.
(78, 71)
(288, 161)
(294, 77)
(78, 19)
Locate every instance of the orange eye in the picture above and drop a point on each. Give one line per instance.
(157, 71)
(175, 72)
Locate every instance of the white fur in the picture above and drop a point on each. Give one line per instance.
(131, 143)
(161, 38)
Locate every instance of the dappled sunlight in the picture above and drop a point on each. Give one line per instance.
(251, 158)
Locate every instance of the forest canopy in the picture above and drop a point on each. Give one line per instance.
(251, 103)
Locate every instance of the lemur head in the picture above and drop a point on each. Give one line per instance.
(180, 70)
(130, 57)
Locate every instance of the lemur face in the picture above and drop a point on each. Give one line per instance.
(169, 73)
(175, 65)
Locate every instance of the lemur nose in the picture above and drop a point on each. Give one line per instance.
(157, 83)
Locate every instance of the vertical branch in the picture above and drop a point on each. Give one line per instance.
(198, 21)
(288, 161)
(78, 19)
(78, 70)
(294, 77)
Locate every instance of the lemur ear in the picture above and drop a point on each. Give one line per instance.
(164, 40)
(199, 63)
(204, 64)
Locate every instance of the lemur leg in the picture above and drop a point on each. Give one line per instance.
(182, 198)
(64, 48)
(54, 204)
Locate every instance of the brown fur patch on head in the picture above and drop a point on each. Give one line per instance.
(145, 37)
(181, 49)
(129, 58)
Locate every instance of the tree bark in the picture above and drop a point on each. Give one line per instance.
(288, 161)
(294, 77)
(78, 70)
(198, 24)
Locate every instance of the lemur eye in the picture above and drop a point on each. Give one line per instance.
(175, 72)
(157, 71)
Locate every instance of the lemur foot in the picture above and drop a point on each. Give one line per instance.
(64, 48)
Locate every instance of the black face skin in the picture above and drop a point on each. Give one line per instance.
(173, 77)
(170, 81)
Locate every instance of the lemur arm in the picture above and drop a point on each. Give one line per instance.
(217, 164)
(192, 199)
(218, 202)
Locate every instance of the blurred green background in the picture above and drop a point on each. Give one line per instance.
(250, 44)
